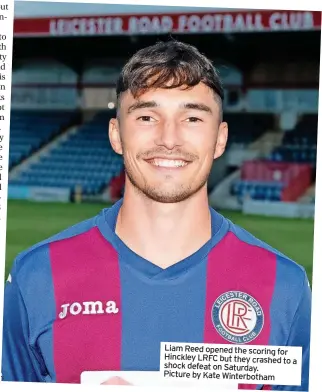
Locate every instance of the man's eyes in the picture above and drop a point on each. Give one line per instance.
(191, 119)
(194, 119)
(146, 118)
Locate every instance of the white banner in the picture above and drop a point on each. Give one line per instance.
(40, 194)
(278, 209)
(98, 98)
(277, 101)
(44, 98)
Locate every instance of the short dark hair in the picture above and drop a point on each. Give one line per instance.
(176, 62)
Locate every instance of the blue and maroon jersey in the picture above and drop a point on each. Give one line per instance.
(83, 301)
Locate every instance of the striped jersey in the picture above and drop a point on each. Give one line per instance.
(84, 301)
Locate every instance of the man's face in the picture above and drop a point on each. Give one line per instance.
(169, 139)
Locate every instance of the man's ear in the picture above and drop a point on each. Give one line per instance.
(221, 140)
(114, 135)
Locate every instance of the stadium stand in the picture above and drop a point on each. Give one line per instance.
(32, 129)
(272, 181)
(85, 159)
(253, 126)
(257, 190)
(292, 164)
(268, 105)
(300, 144)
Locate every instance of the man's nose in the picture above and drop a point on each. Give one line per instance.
(169, 135)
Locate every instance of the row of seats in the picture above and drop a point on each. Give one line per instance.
(256, 190)
(84, 159)
(29, 130)
(298, 146)
(304, 134)
(245, 128)
(296, 155)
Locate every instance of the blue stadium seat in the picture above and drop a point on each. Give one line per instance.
(257, 190)
(299, 145)
(85, 159)
(29, 130)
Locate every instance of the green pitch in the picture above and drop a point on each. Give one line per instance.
(29, 223)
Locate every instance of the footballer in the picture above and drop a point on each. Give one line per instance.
(160, 265)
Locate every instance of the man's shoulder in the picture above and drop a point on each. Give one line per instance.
(28, 260)
(283, 261)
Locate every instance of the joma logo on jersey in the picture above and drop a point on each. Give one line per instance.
(90, 307)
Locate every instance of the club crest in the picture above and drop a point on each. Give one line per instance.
(237, 317)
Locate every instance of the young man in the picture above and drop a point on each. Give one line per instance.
(160, 265)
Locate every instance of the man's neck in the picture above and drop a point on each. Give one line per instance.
(164, 233)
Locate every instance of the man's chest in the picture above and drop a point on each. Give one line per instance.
(123, 331)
